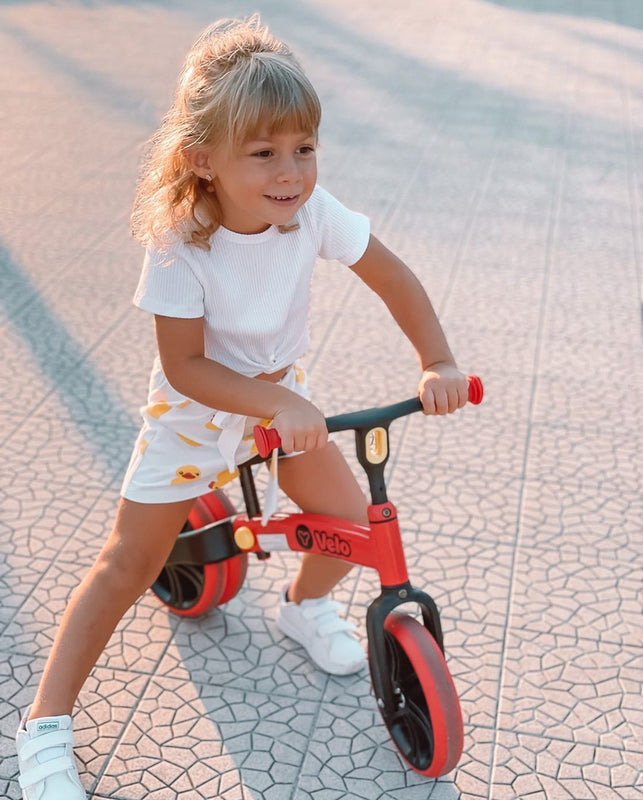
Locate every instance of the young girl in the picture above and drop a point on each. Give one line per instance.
(233, 220)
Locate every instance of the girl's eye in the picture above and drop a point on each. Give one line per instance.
(304, 150)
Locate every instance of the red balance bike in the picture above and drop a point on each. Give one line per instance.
(414, 690)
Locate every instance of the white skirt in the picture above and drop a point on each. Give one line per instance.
(180, 453)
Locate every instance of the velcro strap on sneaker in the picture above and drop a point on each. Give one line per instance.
(312, 612)
(335, 626)
(42, 771)
(45, 741)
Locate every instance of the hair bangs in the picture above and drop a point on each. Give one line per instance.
(274, 97)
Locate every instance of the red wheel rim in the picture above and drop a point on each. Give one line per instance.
(218, 504)
(234, 569)
(235, 574)
(424, 671)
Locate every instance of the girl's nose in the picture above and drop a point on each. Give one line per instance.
(287, 169)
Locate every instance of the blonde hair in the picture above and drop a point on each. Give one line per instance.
(236, 77)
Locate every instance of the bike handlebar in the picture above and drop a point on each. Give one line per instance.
(268, 439)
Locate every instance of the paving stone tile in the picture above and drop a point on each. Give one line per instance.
(500, 240)
(336, 366)
(351, 752)
(451, 502)
(593, 274)
(583, 691)
(196, 741)
(605, 456)
(20, 375)
(63, 182)
(473, 655)
(30, 268)
(579, 519)
(141, 637)
(57, 529)
(32, 628)
(565, 399)
(552, 769)
(598, 598)
(18, 574)
(477, 439)
(126, 354)
(469, 580)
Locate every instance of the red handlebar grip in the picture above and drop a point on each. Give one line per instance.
(476, 392)
(266, 439)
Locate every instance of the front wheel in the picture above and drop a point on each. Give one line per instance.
(189, 590)
(426, 725)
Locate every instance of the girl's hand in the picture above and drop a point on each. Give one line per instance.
(443, 389)
(301, 425)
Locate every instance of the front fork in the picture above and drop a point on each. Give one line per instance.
(396, 591)
(378, 657)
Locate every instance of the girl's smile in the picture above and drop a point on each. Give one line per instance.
(284, 200)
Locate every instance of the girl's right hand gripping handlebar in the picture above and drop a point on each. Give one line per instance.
(268, 439)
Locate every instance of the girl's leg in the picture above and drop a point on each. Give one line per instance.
(321, 482)
(128, 564)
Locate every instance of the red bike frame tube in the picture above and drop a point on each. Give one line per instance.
(387, 543)
(378, 547)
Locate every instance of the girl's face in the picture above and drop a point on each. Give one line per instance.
(265, 181)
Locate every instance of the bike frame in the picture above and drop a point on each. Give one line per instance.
(377, 545)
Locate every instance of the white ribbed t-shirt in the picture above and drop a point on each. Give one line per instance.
(253, 290)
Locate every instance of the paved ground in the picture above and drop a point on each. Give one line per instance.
(497, 147)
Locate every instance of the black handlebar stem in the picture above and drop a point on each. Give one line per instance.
(373, 417)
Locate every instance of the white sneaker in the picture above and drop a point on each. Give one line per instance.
(46, 759)
(327, 638)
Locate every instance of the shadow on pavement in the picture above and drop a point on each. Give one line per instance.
(628, 13)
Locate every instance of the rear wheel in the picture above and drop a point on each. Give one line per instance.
(189, 590)
(426, 725)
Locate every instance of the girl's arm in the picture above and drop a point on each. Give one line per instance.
(442, 388)
(180, 343)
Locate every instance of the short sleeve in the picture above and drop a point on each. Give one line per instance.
(168, 285)
(343, 234)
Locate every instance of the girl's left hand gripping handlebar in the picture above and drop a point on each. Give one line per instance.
(268, 439)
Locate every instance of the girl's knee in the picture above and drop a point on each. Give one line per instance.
(127, 570)
(142, 538)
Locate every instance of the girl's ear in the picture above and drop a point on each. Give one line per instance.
(200, 161)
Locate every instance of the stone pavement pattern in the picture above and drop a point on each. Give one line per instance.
(497, 147)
